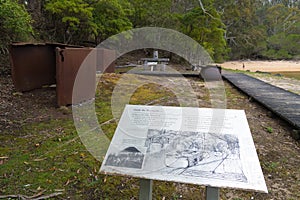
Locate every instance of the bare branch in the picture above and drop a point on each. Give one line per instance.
(202, 7)
(34, 197)
(205, 12)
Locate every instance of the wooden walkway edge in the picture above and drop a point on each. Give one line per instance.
(282, 102)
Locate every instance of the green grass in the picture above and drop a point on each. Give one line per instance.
(295, 75)
(123, 70)
(269, 129)
(238, 71)
(270, 167)
(49, 156)
(45, 156)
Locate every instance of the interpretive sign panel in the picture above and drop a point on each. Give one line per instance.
(211, 147)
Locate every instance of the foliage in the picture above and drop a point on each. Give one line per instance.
(202, 24)
(110, 18)
(206, 27)
(282, 46)
(283, 26)
(246, 28)
(153, 13)
(15, 26)
(72, 19)
(261, 28)
(14, 23)
(244, 35)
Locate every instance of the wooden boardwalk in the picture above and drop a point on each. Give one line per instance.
(282, 102)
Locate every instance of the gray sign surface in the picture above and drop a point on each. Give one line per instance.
(187, 145)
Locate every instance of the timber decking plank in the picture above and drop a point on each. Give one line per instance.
(282, 102)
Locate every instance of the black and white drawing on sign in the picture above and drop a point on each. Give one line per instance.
(197, 154)
(130, 157)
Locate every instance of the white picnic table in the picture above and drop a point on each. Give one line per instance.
(154, 62)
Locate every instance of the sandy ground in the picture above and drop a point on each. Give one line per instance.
(286, 83)
(266, 66)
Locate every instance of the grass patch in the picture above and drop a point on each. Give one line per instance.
(238, 71)
(121, 70)
(295, 75)
(46, 156)
(269, 129)
(49, 156)
(270, 167)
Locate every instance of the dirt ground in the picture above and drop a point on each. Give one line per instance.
(279, 154)
(265, 66)
(18, 109)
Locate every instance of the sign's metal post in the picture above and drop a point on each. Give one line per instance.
(212, 193)
(145, 189)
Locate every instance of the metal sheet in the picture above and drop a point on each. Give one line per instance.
(105, 60)
(33, 65)
(36, 65)
(68, 62)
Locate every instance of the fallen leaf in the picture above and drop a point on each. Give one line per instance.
(59, 190)
(39, 159)
(17, 93)
(52, 169)
(82, 155)
(67, 183)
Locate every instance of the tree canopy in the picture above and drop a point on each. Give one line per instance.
(110, 18)
(15, 23)
(265, 29)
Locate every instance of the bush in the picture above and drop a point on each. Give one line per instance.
(283, 46)
(14, 26)
(276, 54)
(15, 22)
